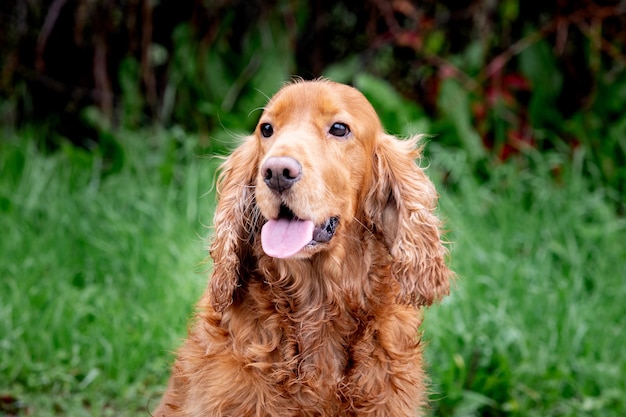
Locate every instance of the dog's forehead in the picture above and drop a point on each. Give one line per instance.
(321, 98)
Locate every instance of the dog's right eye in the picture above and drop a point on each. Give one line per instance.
(267, 130)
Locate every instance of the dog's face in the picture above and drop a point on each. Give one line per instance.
(316, 143)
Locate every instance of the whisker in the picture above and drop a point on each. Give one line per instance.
(268, 98)
(261, 109)
(364, 226)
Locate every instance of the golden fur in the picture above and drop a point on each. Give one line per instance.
(332, 331)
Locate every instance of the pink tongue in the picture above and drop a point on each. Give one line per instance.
(283, 238)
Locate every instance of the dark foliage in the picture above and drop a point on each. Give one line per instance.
(498, 78)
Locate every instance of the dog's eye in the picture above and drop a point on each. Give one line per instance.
(266, 130)
(339, 129)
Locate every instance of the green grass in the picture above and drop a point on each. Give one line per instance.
(101, 263)
(535, 325)
(98, 272)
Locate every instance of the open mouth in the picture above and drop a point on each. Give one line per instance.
(288, 235)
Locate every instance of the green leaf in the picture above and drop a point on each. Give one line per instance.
(539, 65)
(344, 71)
(454, 104)
(397, 114)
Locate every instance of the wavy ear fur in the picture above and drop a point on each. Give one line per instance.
(234, 222)
(400, 204)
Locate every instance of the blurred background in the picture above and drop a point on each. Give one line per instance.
(112, 113)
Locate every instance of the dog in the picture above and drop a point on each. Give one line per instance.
(326, 250)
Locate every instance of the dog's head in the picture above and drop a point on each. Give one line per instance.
(317, 162)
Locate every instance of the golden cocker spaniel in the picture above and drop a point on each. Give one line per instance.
(326, 249)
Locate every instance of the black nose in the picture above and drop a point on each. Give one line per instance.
(281, 172)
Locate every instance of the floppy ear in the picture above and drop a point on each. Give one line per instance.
(234, 222)
(400, 205)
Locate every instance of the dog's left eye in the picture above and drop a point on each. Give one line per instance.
(339, 129)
